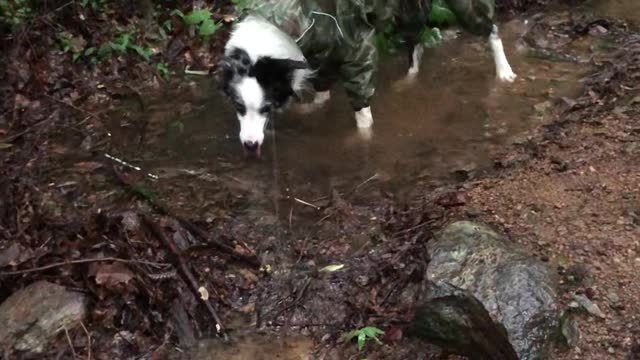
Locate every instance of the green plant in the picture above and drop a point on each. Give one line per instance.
(431, 37)
(72, 44)
(363, 334)
(388, 41)
(440, 14)
(202, 20)
(122, 44)
(240, 5)
(163, 70)
(93, 4)
(14, 13)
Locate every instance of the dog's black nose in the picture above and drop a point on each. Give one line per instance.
(252, 148)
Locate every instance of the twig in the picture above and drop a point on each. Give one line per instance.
(10, 138)
(406, 231)
(296, 301)
(372, 177)
(306, 203)
(323, 219)
(81, 261)
(88, 340)
(73, 351)
(195, 72)
(130, 166)
(88, 113)
(291, 219)
(184, 270)
(251, 260)
(164, 210)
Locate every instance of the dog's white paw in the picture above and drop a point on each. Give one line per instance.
(364, 118)
(365, 134)
(507, 76)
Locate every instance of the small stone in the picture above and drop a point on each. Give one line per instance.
(611, 350)
(589, 306)
(33, 316)
(569, 329)
(613, 298)
(598, 30)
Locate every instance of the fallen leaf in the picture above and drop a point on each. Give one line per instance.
(332, 268)
(15, 255)
(249, 308)
(393, 335)
(451, 199)
(4, 146)
(114, 274)
(248, 275)
(204, 294)
(87, 166)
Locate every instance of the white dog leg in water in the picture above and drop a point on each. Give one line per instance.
(414, 69)
(503, 69)
(364, 121)
(416, 59)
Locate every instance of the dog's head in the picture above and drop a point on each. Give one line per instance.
(257, 90)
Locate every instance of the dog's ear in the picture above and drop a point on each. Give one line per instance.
(235, 62)
(267, 68)
(276, 76)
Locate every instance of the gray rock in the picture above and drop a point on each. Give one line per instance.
(589, 305)
(569, 330)
(33, 316)
(517, 290)
(455, 320)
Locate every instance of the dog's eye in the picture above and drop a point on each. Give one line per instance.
(240, 107)
(265, 109)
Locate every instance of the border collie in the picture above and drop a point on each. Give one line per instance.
(279, 48)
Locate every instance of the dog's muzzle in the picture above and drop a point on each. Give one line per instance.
(251, 149)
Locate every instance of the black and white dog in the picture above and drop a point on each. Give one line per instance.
(265, 66)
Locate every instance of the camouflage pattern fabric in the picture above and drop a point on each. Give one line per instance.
(342, 47)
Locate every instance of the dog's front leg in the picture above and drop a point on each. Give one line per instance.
(415, 59)
(364, 118)
(364, 122)
(503, 69)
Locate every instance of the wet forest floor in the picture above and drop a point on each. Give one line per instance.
(160, 261)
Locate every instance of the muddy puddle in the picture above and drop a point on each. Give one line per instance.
(628, 10)
(453, 117)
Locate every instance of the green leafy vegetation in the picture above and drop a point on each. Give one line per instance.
(363, 335)
(14, 13)
(202, 20)
(240, 5)
(163, 70)
(389, 42)
(95, 5)
(431, 37)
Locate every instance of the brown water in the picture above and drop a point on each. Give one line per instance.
(454, 116)
(628, 10)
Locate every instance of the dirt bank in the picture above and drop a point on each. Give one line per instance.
(570, 194)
